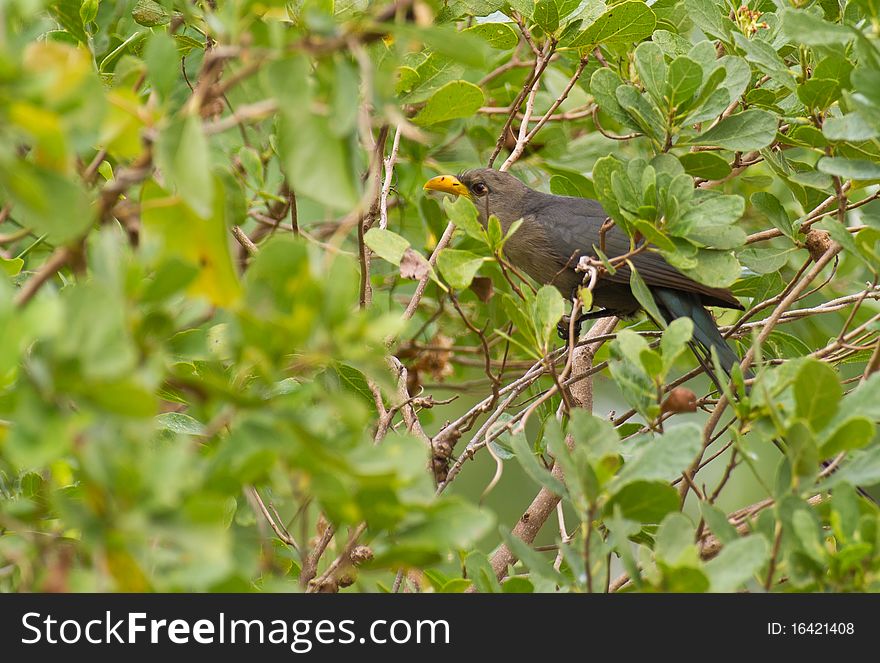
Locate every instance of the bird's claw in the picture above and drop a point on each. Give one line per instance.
(563, 326)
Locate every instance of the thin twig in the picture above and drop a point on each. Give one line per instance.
(48, 269)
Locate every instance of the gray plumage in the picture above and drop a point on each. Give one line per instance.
(558, 230)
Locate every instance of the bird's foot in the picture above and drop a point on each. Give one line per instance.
(564, 326)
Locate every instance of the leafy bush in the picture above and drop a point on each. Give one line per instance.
(229, 315)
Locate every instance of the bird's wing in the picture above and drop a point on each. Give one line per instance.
(572, 225)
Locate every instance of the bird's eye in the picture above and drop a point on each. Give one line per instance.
(480, 189)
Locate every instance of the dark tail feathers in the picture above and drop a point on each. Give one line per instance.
(679, 304)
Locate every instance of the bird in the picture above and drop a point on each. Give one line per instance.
(557, 230)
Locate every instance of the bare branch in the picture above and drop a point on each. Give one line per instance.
(530, 523)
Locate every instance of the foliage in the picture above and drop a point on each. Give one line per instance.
(181, 411)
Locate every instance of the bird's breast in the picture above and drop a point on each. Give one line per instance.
(530, 251)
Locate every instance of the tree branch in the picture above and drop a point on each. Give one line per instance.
(534, 517)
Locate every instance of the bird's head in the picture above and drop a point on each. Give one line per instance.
(491, 191)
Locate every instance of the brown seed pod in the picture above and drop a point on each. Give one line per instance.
(442, 448)
(440, 469)
(361, 554)
(817, 242)
(447, 436)
(680, 399)
(346, 577)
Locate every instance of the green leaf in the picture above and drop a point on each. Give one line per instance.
(463, 214)
(674, 340)
(865, 81)
(753, 129)
(643, 112)
(812, 179)
(737, 562)
(96, 333)
(549, 308)
(455, 586)
(386, 244)
(817, 94)
(525, 455)
(851, 169)
(130, 46)
(603, 86)
(344, 107)
(183, 157)
(604, 171)
(88, 10)
(11, 266)
(459, 267)
(804, 28)
(717, 269)
(288, 80)
(66, 12)
(802, 451)
(546, 15)
(709, 222)
(766, 261)
(769, 206)
(540, 566)
(443, 40)
(717, 521)
(480, 572)
(706, 14)
(852, 127)
(186, 44)
(766, 59)
(707, 165)
(46, 201)
(150, 13)
(644, 501)
(407, 80)
(454, 100)
(651, 66)
(627, 352)
(626, 22)
(450, 524)
(863, 401)
(162, 60)
(643, 295)
(672, 44)
(853, 433)
(497, 35)
(651, 362)
(664, 457)
(808, 533)
(354, 381)
(674, 543)
(862, 469)
(593, 434)
(170, 277)
(517, 585)
(685, 78)
(202, 242)
(845, 516)
(178, 422)
(683, 579)
(317, 162)
(434, 72)
(560, 185)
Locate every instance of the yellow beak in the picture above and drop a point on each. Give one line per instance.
(447, 184)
